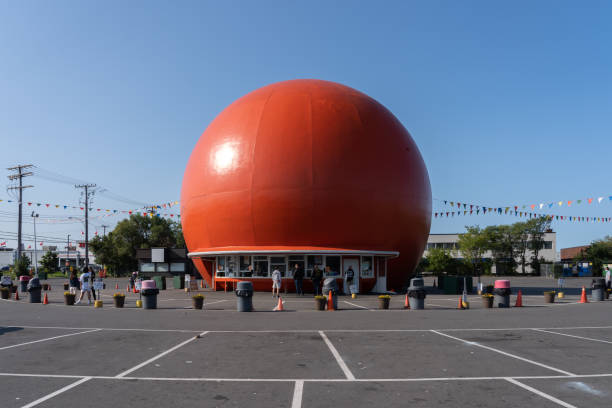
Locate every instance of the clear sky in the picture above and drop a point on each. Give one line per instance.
(509, 102)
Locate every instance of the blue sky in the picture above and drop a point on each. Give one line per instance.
(509, 102)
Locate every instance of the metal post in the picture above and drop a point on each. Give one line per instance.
(86, 187)
(34, 216)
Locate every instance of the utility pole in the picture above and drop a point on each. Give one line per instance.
(19, 175)
(104, 227)
(34, 216)
(87, 192)
(67, 254)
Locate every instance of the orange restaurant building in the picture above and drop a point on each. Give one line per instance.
(306, 172)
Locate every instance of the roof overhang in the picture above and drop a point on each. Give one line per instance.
(288, 250)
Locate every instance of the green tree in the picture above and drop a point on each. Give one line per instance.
(472, 245)
(439, 260)
(501, 244)
(49, 262)
(599, 252)
(519, 234)
(537, 227)
(22, 266)
(117, 250)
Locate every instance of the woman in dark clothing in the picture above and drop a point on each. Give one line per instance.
(91, 280)
(317, 275)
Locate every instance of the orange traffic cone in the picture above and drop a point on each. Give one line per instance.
(116, 286)
(406, 302)
(49, 288)
(279, 306)
(45, 300)
(128, 289)
(519, 299)
(330, 302)
(583, 298)
(17, 294)
(460, 305)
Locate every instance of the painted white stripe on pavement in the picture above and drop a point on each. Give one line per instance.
(353, 304)
(297, 394)
(53, 394)
(572, 335)
(540, 393)
(349, 375)
(48, 338)
(160, 355)
(504, 353)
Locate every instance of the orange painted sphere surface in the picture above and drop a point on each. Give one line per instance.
(308, 164)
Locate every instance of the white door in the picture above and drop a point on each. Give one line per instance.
(354, 263)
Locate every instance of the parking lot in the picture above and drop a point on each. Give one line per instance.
(538, 355)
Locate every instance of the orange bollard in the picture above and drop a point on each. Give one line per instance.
(519, 299)
(460, 305)
(45, 300)
(406, 302)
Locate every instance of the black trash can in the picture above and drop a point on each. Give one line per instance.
(330, 284)
(149, 298)
(598, 287)
(244, 293)
(417, 294)
(34, 288)
(23, 283)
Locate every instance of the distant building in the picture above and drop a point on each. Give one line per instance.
(568, 254)
(450, 242)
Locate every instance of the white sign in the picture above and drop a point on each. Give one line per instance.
(157, 254)
(98, 285)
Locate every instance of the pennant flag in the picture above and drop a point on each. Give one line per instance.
(560, 203)
(533, 206)
(599, 200)
(569, 203)
(590, 200)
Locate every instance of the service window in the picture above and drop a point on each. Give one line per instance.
(367, 269)
(332, 265)
(280, 263)
(311, 262)
(245, 262)
(260, 266)
(295, 260)
(221, 267)
(162, 267)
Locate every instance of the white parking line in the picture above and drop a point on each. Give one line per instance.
(297, 394)
(48, 338)
(53, 394)
(574, 336)
(504, 353)
(353, 304)
(349, 375)
(160, 355)
(540, 393)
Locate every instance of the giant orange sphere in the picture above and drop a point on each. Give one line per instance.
(307, 165)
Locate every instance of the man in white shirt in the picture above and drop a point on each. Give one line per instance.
(84, 278)
(276, 282)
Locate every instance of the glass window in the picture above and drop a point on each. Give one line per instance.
(311, 262)
(278, 262)
(261, 266)
(177, 267)
(162, 267)
(147, 267)
(332, 265)
(295, 260)
(367, 270)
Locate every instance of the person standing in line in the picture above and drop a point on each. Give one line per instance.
(84, 279)
(608, 278)
(91, 281)
(317, 275)
(74, 283)
(298, 277)
(349, 275)
(276, 282)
